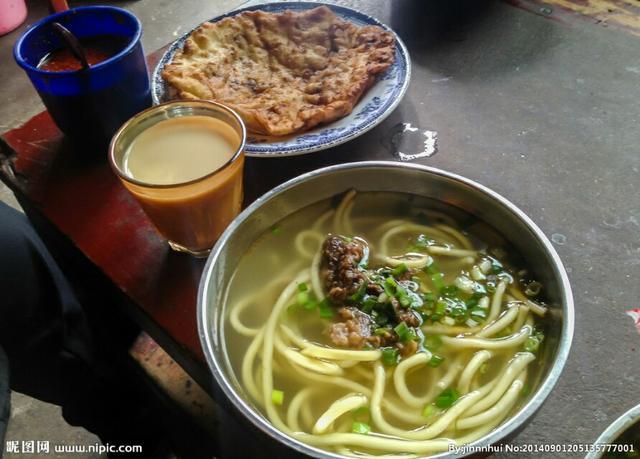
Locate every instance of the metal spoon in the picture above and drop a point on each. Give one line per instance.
(72, 43)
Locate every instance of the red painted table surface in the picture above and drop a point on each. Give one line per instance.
(88, 204)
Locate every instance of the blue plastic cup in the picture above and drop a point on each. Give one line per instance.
(89, 105)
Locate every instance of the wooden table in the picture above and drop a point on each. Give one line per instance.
(77, 193)
(535, 100)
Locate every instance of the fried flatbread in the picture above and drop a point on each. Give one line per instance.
(283, 73)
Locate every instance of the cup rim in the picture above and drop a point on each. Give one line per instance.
(202, 103)
(22, 62)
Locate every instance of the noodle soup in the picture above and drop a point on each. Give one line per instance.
(384, 323)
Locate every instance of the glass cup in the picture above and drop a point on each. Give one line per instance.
(190, 215)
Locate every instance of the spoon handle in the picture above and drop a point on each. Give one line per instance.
(58, 5)
(72, 43)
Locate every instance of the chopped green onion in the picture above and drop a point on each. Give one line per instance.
(369, 304)
(275, 230)
(496, 266)
(405, 301)
(292, 308)
(429, 298)
(381, 331)
(403, 296)
(277, 397)
(380, 317)
(364, 261)
(389, 356)
(306, 300)
(302, 298)
(458, 309)
(405, 333)
(408, 298)
(526, 390)
(532, 344)
(360, 428)
(359, 294)
(441, 308)
(399, 270)
(472, 302)
(359, 413)
(390, 287)
(449, 290)
(423, 242)
(479, 289)
(432, 342)
(438, 281)
(430, 410)
(436, 360)
(432, 268)
(401, 329)
(302, 287)
(447, 398)
(416, 301)
(479, 313)
(326, 311)
(436, 276)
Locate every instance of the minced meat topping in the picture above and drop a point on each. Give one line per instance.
(374, 307)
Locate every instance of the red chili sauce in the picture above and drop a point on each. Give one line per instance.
(97, 49)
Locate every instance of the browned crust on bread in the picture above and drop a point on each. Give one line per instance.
(283, 73)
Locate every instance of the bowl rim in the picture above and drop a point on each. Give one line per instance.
(615, 430)
(495, 436)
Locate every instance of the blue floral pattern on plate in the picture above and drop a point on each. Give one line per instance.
(374, 106)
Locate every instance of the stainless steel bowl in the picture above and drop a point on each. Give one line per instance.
(615, 430)
(314, 186)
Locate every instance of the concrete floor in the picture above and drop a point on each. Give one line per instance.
(32, 419)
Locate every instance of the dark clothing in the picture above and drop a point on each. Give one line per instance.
(42, 328)
(4, 397)
(46, 348)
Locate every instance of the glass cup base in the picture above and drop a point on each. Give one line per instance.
(194, 253)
